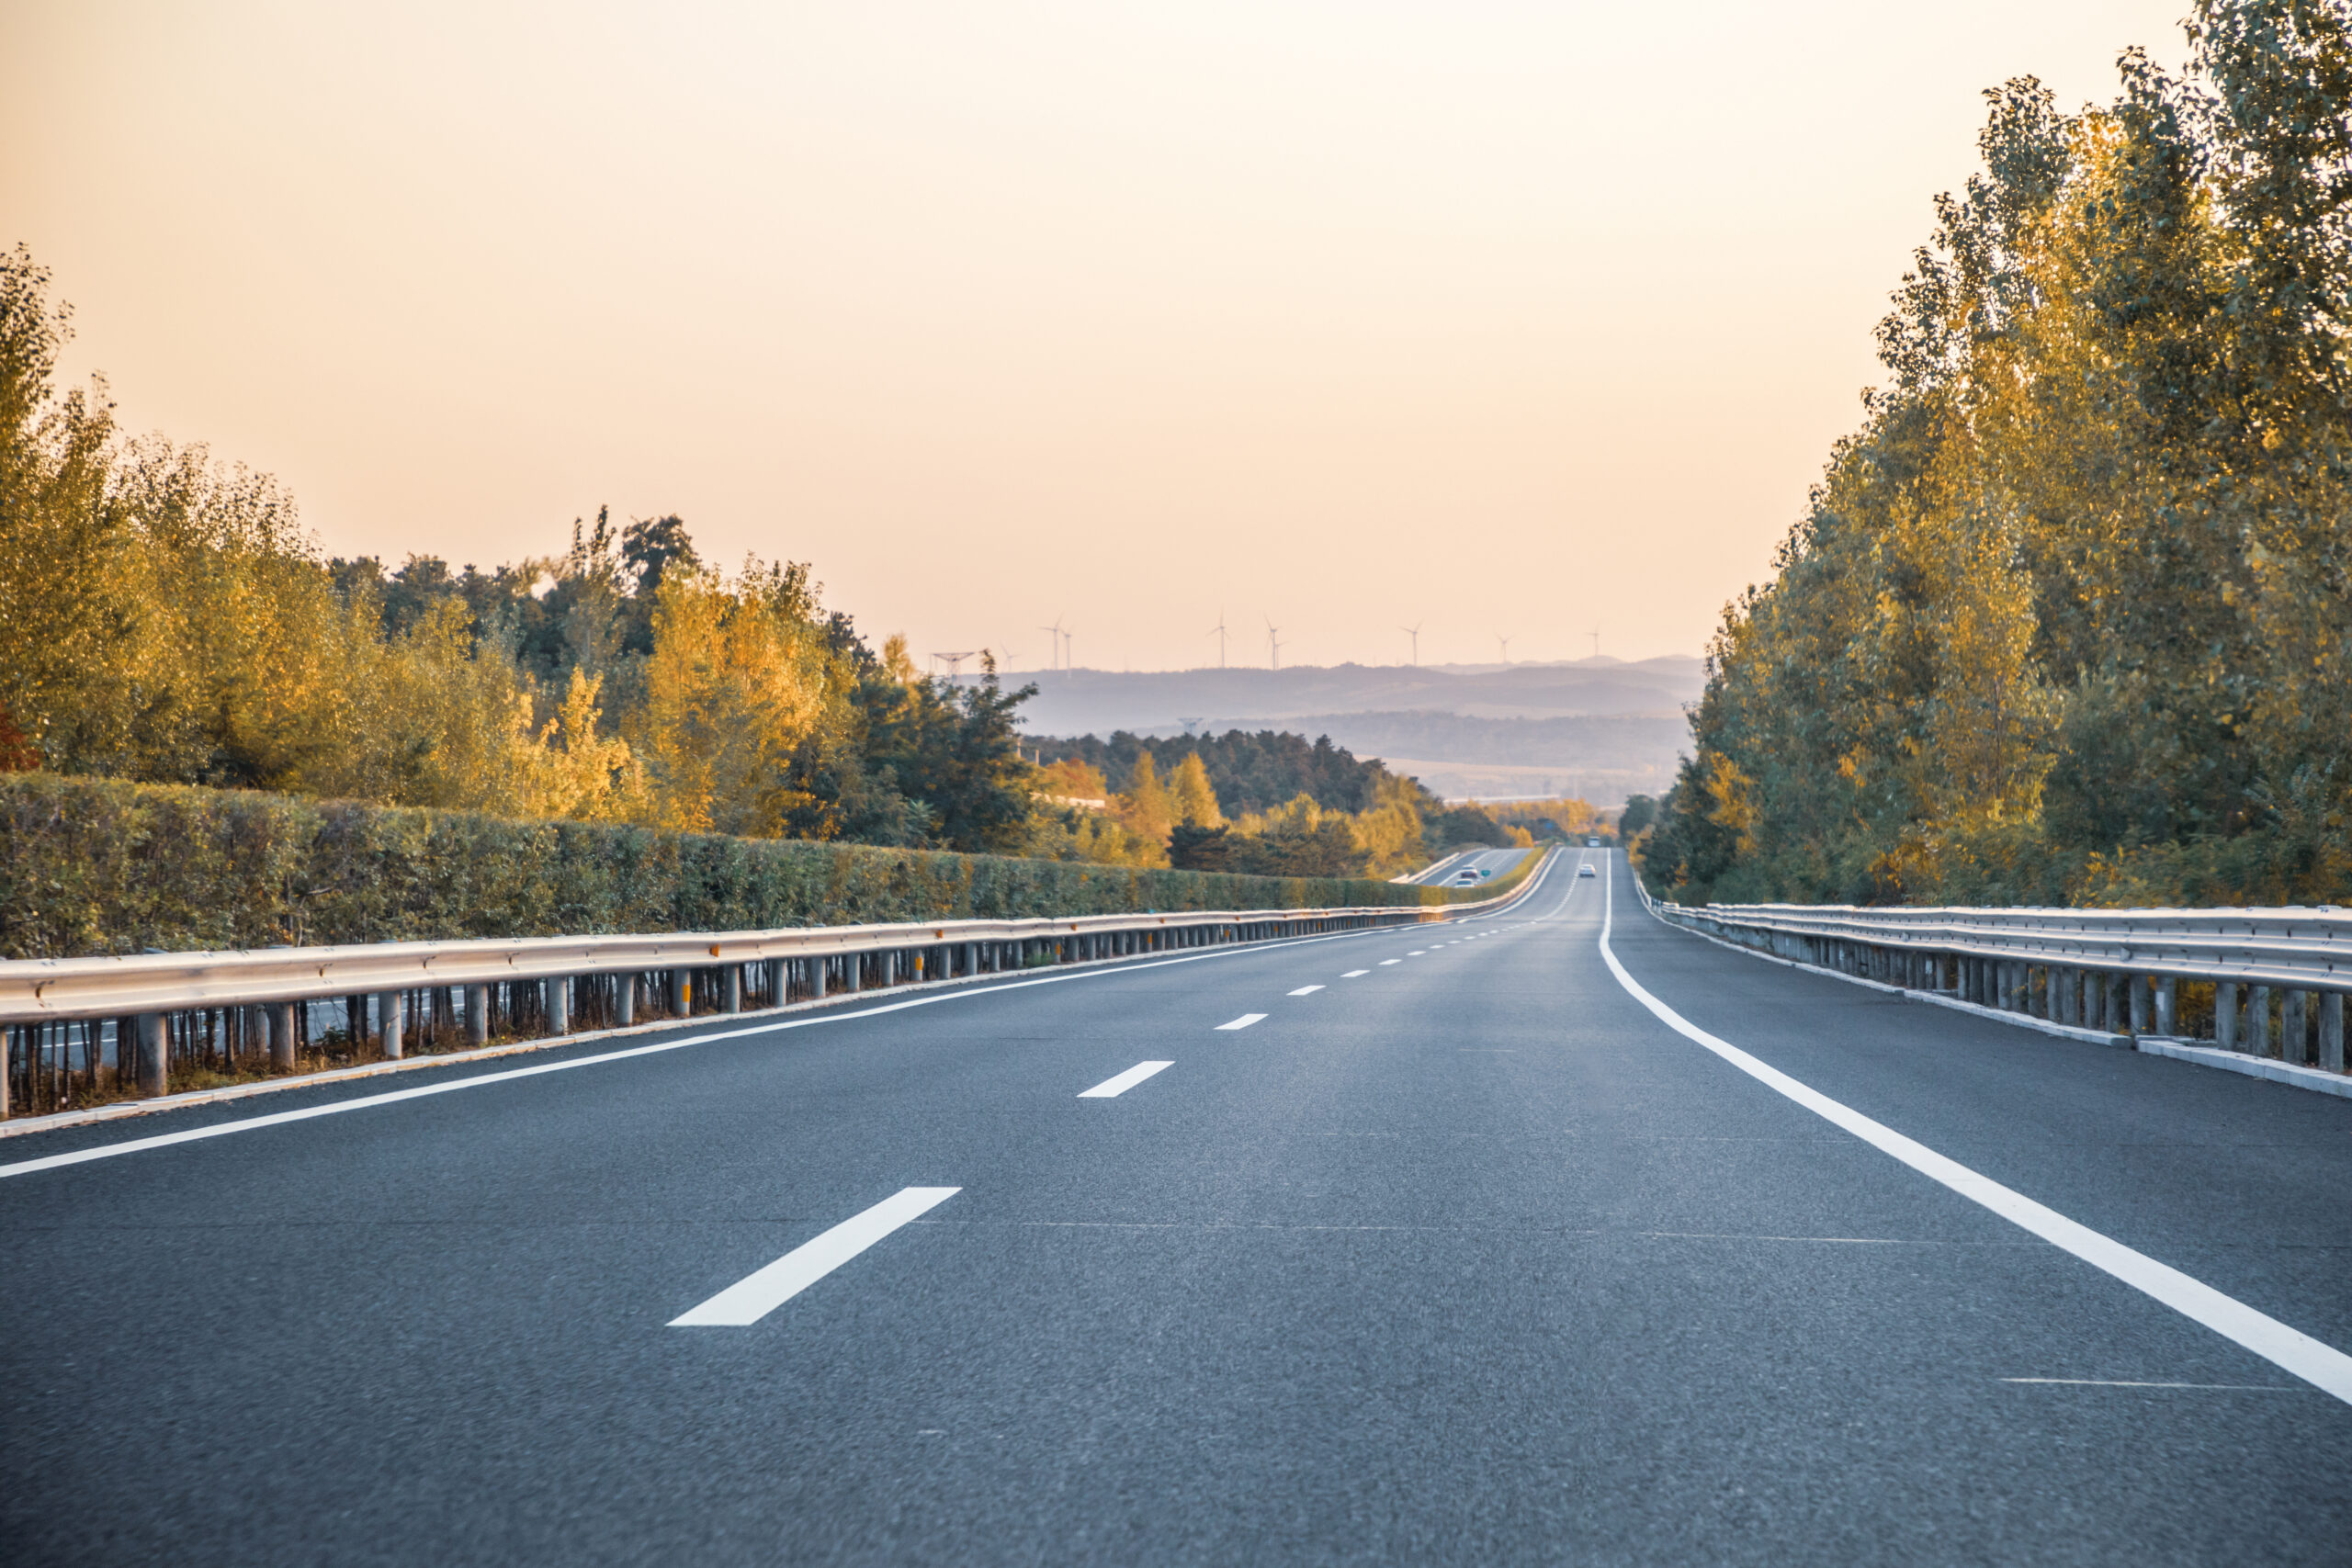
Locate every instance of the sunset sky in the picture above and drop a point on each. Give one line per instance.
(1533, 319)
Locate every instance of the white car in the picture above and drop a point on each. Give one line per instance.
(1586, 870)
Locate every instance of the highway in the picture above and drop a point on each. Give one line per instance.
(1496, 861)
(1424, 1246)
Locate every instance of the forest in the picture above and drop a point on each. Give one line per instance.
(2065, 620)
(166, 618)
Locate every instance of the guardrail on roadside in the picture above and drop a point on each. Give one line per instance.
(232, 1012)
(2269, 983)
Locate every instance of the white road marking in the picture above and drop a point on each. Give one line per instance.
(1305, 990)
(2290, 1349)
(1386, 962)
(1244, 1021)
(1111, 1088)
(2109, 1382)
(1418, 953)
(755, 1296)
(1355, 974)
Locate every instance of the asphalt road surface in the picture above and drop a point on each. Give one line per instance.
(1457, 1253)
(1496, 861)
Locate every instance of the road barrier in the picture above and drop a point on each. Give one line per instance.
(141, 1018)
(2264, 983)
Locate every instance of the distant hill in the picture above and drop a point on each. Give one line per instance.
(1599, 727)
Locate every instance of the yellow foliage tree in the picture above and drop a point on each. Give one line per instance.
(1192, 796)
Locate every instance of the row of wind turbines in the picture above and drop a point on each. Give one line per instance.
(1059, 656)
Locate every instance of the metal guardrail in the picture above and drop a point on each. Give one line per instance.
(2278, 978)
(240, 1008)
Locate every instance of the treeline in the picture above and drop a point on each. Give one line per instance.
(1222, 806)
(164, 618)
(1248, 772)
(2069, 618)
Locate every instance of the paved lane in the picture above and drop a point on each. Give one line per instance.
(1456, 1254)
(1495, 861)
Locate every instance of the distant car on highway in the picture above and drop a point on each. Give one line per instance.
(1592, 843)
(1465, 877)
(1586, 870)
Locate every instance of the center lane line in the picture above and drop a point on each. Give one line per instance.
(1111, 1088)
(1305, 990)
(1244, 1021)
(755, 1295)
(1355, 974)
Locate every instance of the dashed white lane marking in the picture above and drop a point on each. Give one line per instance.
(755, 1296)
(2290, 1349)
(1244, 1021)
(1386, 962)
(1418, 953)
(1305, 990)
(1111, 1088)
(1355, 974)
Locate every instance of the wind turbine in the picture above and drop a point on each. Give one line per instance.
(1054, 649)
(1273, 642)
(1069, 664)
(1506, 642)
(1596, 645)
(1414, 631)
(1218, 632)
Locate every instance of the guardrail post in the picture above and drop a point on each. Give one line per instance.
(731, 988)
(477, 1015)
(2139, 985)
(2225, 1015)
(817, 978)
(558, 1003)
(2294, 1035)
(154, 1052)
(2257, 1010)
(852, 966)
(283, 1037)
(388, 1023)
(2331, 1031)
(2112, 1016)
(2167, 999)
(625, 1000)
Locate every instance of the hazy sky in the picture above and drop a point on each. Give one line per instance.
(1505, 319)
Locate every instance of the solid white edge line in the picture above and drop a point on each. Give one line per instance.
(1111, 1088)
(848, 1013)
(1244, 1021)
(2290, 1349)
(755, 1295)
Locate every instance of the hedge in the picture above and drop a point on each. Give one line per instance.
(101, 866)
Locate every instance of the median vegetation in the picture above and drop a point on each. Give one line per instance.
(2069, 618)
(102, 866)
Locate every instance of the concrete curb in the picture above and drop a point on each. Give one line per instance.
(2287, 1072)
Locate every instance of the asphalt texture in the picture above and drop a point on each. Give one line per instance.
(1467, 1259)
